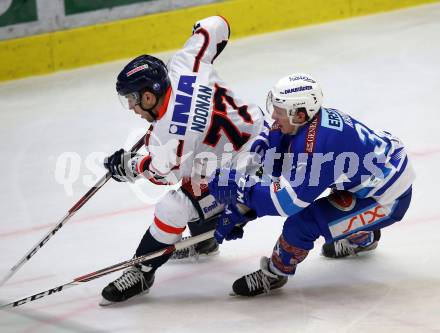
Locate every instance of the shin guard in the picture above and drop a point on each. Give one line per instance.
(286, 257)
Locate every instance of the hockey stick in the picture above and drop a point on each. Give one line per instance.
(66, 218)
(105, 271)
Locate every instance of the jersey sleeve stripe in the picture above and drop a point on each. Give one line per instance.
(292, 194)
(202, 51)
(148, 135)
(390, 179)
(179, 153)
(396, 176)
(286, 203)
(285, 199)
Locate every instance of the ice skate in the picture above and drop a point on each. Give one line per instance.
(258, 282)
(359, 242)
(133, 281)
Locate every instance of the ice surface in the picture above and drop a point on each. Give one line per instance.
(382, 69)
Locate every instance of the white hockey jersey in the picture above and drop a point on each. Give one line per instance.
(202, 124)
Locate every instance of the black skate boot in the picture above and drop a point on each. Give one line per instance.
(359, 242)
(133, 281)
(258, 282)
(208, 247)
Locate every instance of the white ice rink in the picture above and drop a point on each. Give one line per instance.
(383, 69)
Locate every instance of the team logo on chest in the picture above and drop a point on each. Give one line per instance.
(182, 105)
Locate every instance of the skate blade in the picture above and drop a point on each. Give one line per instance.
(104, 302)
(231, 293)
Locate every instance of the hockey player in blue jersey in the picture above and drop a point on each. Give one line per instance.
(307, 151)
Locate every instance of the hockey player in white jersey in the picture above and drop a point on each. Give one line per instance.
(198, 125)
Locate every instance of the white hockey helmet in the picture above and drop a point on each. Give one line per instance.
(296, 92)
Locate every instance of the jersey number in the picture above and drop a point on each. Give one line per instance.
(220, 120)
(366, 135)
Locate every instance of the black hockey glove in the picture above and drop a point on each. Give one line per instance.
(120, 166)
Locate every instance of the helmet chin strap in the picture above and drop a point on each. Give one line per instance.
(150, 110)
(296, 127)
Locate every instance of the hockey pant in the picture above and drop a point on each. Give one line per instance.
(334, 217)
(173, 213)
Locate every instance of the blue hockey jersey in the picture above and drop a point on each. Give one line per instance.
(332, 151)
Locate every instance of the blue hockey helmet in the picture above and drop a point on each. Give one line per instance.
(143, 73)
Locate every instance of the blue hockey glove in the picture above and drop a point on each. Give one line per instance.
(229, 187)
(230, 224)
(120, 167)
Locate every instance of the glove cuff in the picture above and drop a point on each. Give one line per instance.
(131, 166)
(140, 165)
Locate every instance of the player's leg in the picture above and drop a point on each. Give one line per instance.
(355, 224)
(299, 233)
(208, 247)
(171, 215)
(207, 208)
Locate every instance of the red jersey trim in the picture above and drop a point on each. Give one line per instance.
(147, 136)
(179, 154)
(164, 106)
(143, 166)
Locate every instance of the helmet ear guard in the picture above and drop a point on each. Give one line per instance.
(294, 112)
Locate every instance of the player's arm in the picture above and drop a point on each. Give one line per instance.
(276, 198)
(208, 40)
(128, 167)
(142, 166)
(266, 196)
(261, 143)
(291, 192)
(163, 160)
(285, 195)
(156, 166)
